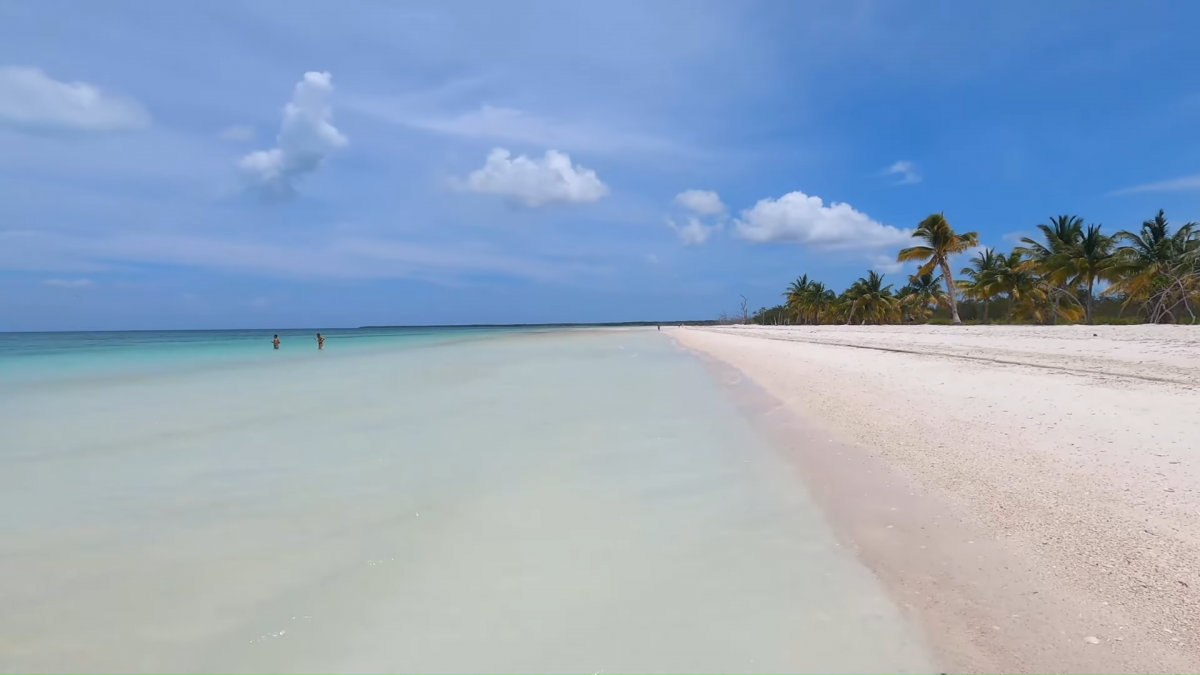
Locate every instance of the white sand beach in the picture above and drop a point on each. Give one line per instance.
(1032, 494)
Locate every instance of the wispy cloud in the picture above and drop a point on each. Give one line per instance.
(906, 170)
(68, 283)
(693, 232)
(702, 202)
(510, 125)
(886, 264)
(1183, 184)
(237, 133)
(31, 99)
(333, 258)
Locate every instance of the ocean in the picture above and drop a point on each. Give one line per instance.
(410, 500)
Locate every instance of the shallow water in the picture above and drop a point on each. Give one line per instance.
(571, 501)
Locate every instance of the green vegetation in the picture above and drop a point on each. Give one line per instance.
(1071, 274)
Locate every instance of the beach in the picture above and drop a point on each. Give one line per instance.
(1030, 494)
(504, 501)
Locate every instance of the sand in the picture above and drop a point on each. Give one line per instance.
(1030, 494)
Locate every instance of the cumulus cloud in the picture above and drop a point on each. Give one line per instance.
(237, 133)
(306, 137)
(799, 218)
(68, 283)
(536, 182)
(694, 232)
(31, 99)
(702, 202)
(906, 170)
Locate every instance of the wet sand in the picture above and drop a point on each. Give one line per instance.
(1028, 493)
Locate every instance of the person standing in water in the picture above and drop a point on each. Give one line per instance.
(320, 341)
(275, 341)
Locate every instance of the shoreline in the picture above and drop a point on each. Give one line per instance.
(1013, 557)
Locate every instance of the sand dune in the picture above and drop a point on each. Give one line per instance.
(1067, 457)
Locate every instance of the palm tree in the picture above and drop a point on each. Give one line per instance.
(1086, 260)
(922, 295)
(820, 301)
(941, 241)
(795, 295)
(1061, 234)
(871, 301)
(1159, 268)
(980, 282)
(1016, 280)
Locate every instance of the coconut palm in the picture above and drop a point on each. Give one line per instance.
(796, 295)
(980, 281)
(940, 242)
(1059, 235)
(1016, 280)
(820, 301)
(871, 300)
(1045, 257)
(1159, 267)
(921, 296)
(1087, 259)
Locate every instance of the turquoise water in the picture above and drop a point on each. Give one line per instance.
(411, 501)
(50, 357)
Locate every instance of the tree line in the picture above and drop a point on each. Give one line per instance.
(1072, 273)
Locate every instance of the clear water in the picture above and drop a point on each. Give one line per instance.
(568, 501)
(39, 357)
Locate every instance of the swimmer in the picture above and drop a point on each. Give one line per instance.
(320, 341)
(275, 341)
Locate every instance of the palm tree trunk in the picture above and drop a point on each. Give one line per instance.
(985, 310)
(1091, 319)
(950, 290)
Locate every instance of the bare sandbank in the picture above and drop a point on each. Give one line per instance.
(1030, 493)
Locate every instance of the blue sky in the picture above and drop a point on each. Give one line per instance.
(299, 164)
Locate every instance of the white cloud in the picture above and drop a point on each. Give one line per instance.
(694, 233)
(906, 170)
(305, 139)
(31, 99)
(703, 202)
(68, 283)
(237, 133)
(534, 182)
(1183, 184)
(1016, 237)
(886, 264)
(799, 218)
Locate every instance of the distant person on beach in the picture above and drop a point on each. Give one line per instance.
(658, 327)
(320, 341)
(275, 341)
